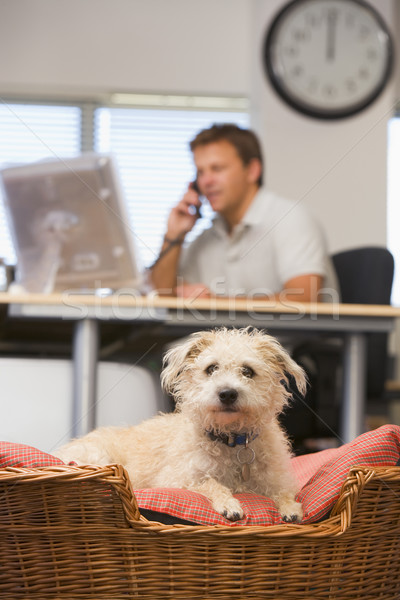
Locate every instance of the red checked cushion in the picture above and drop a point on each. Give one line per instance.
(320, 475)
(19, 455)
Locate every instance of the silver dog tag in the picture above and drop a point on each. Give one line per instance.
(246, 472)
(246, 456)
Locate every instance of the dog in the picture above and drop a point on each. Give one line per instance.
(224, 437)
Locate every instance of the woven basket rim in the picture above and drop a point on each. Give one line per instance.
(336, 524)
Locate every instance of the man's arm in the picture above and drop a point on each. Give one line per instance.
(305, 252)
(304, 288)
(181, 220)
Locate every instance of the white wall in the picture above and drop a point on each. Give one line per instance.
(187, 46)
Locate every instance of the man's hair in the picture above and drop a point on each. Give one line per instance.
(244, 141)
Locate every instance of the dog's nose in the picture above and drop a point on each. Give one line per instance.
(228, 396)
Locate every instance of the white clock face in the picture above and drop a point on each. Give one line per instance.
(328, 57)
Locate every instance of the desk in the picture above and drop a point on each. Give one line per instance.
(349, 321)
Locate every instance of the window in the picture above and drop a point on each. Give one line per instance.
(393, 201)
(151, 146)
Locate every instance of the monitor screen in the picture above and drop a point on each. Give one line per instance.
(69, 225)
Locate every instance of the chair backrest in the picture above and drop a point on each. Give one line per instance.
(365, 276)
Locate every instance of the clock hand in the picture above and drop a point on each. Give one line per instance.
(331, 37)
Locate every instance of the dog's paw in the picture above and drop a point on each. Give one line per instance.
(291, 518)
(292, 512)
(230, 509)
(232, 516)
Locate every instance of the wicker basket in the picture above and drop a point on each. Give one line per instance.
(76, 532)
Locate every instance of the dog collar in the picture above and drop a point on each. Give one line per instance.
(232, 439)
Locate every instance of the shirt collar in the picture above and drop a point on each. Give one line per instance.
(256, 209)
(253, 215)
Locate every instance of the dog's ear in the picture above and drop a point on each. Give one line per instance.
(180, 358)
(290, 385)
(287, 369)
(294, 377)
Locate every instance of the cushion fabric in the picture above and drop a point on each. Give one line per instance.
(320, 476)
(19, 455)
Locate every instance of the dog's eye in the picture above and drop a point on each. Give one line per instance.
(247, 372)
(211, 369)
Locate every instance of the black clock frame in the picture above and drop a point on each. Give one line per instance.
(303, 107)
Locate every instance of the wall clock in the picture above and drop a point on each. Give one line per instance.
(328, 58)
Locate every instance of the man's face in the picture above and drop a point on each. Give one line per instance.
(222, 177)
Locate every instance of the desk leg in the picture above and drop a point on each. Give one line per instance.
(85, 351)
(354, 375)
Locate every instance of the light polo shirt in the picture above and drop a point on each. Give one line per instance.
(275, 241)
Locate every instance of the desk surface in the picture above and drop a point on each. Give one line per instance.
(130, 300)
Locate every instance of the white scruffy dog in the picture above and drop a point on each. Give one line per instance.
(224, 437)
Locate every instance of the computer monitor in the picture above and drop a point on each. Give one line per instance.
(69, 225)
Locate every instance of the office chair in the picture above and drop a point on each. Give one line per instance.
(365, 276)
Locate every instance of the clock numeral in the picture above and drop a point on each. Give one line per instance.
(363, 73)
(301, 35)
(291, 51)
(312, 86)
(312, 20)
(364, 32)
(297, 71)
(351, 86)
(329, 91)
(332, 14)
(372, 54)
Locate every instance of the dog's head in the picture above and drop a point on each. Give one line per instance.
(231, 379)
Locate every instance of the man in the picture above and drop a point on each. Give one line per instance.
(259, 245)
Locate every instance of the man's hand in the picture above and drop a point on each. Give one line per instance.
(192, 290)
(181, 220)
(183, 216)
(304, 288)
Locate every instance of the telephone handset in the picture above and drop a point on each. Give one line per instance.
(196, 209)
